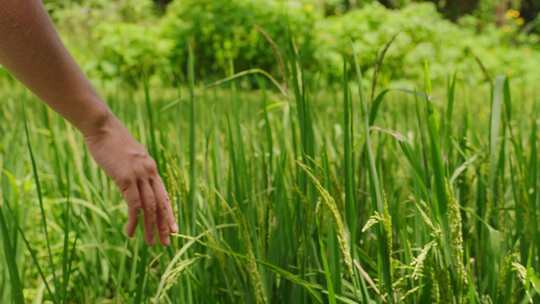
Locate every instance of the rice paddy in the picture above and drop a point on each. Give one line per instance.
(292, 192)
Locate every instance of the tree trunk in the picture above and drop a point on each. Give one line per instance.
(162, 4)
(349, 4)
(458, 8)
(387, 3)
(529, 9)
(500, 11)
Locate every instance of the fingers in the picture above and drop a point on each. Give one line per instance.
(165, 203)
(166, 221)
(131, 195)
(163, 227)
(150, 213)
(149, 194)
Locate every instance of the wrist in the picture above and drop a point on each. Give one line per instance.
(98, 121)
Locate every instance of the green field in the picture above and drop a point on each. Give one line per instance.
(283, 196)
(310, 182)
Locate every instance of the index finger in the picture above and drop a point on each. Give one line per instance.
(133, 200)
(163, 199)
(149, 206)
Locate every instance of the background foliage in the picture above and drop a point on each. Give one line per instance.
(319, 187)
(477, 39)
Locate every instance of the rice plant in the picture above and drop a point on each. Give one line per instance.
(294, 192)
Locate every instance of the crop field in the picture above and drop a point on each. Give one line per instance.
(283, 194)
(329, 151)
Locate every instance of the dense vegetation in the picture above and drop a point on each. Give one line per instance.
(336, 162)
(253, 33)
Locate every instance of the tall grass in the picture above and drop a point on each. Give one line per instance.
(285, 194)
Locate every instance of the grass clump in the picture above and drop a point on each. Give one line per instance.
(296, 195)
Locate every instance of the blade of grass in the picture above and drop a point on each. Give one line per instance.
(40, 200)
(15, 281)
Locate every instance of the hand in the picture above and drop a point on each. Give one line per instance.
(135, 173)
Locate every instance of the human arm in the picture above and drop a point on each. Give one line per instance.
(32, 51)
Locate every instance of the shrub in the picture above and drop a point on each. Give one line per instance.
(130, 52)
(91, 12)
(423, 34)
(227, 32)
(231, 35)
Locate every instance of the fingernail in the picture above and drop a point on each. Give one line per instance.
(173, 228)
(126, 232)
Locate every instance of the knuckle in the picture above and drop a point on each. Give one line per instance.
(139, 153)
(162, 209)
(139, 172)
(150, 166)
(151, 209)
(136, 203)
(163, 230)
(124, 182)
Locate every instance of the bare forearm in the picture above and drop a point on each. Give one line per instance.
(32, 51)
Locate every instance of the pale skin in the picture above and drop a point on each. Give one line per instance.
(32, 51)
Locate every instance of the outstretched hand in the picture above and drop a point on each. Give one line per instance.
(135, 173)
(52, 74)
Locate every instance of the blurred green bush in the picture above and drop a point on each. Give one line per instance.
(131, 52)
(235, 35)
(423, 35)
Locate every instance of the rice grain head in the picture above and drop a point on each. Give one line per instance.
(454, 219)
(343, 233)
